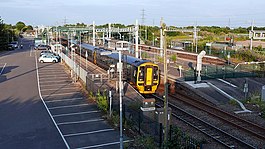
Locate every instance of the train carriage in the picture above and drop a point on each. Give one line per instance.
(141, 74)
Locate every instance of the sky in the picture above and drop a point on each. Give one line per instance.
(232, 13)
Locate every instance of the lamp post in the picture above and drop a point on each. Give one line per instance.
(120, 90)
(80, 49)
(153, 39)
(119, 68)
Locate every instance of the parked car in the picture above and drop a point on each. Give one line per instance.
(42, 47)
(53, 54)
(48, 59)
(45, 52)
(13, 45)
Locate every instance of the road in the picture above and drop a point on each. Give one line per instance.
(24, 121)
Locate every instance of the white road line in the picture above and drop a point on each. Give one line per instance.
(61, 94)
(55, 81)
(71, 106)
(65, 142)
(101, 145)
(64, 99)
(55, 78)
(89, 132)
(50, 76)
(78, 122)
(55, 89)
(54, 85)
(50, 68)
(227, 83)
(77, 113)
(49, 73)
(3, 69)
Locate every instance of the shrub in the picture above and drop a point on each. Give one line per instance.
(102, 101)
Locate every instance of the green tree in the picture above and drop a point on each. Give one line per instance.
(29, 27)
(20, 25)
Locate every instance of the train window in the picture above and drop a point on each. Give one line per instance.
(141, 74)
(134, 73)
(156, 73)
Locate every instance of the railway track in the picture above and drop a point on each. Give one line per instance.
(247, 126)
(225, 139)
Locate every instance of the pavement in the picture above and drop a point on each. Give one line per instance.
(24, 121)
(41, 107)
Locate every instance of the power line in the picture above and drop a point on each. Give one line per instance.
(65, 21)
(143, 16)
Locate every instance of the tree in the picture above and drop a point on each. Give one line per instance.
(20, 25)
(29, 27)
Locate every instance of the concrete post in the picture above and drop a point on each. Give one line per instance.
(136, 39)
(94, 34)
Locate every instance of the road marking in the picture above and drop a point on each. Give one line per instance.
(60, 84)
(78, 122)
(51, 73)
(61, 94)
(54, 76)
(59, 100)
(3, 69)
(65, 142)
(57, 77)
(77, 113)
(56, 89)
(227, 83)
(89, 132)
(101, 145)
(71, 106)
(55, 81)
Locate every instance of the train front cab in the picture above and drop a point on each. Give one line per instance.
(147, 78)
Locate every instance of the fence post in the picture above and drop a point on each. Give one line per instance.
(170, 132)
(110, 102)
(160, 135)
(139, 121)
(123, 112)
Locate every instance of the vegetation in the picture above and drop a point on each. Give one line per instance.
(256, 101)
(9, 33)
(142, 142)
(179, 139)
(173, 58)
(102, 101)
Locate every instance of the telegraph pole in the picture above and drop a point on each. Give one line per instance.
(94, 36)
(251, 39)
(136, 39)
(163, 27)
(195, 38)
(161, 38)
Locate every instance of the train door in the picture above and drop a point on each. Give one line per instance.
(95, 57)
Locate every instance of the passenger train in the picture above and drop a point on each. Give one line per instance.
(143, 75)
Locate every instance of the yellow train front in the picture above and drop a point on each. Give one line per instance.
(144, 76)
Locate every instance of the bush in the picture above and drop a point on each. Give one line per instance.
(102, 101)
(233, 102)
(142, 142)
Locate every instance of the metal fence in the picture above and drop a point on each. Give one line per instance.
(75, 68)
(229, 71)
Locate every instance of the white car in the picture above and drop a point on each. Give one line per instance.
(48, 59)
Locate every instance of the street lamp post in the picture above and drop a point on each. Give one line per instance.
(153, 39)
(120, 90)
